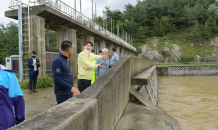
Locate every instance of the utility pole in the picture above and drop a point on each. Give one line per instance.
(95, 14)
(118, 30)
(131, 41)
(92, 12)
(75, 7)
(123, 34)
(126, 36)
(111, 28)
(80, 7)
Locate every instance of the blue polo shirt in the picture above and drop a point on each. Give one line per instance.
(63, 78)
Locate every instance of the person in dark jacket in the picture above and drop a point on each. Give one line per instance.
(62, 75)
(12, 105)
(33, 64)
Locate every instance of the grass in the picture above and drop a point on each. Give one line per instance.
(182, 38)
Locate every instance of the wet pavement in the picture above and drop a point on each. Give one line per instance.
(36, 103)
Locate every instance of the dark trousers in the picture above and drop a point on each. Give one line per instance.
(63, 98)
(83, 84)
(33, 80)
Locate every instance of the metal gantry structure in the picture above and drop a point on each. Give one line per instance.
(23, 20)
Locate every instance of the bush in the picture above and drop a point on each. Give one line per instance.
(43, 82)
(24, 84)
(185, 59)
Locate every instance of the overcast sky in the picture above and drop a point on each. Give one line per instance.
(86, 6)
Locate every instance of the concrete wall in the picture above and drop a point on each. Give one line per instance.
(76, 114)
(110, 94)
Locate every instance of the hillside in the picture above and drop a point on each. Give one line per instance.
(177, 46)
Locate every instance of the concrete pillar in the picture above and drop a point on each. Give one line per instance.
(110, 48)
(91, 39)
(37, 43)
(70, 35)
(118, 50)
(122, 52)
(102, 44)
(83, 40)
(97, 47)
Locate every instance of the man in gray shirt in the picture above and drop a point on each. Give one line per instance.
(105, 63)
(115, 57)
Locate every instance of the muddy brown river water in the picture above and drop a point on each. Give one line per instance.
(192, 100)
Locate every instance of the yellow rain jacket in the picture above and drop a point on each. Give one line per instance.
(85, 65)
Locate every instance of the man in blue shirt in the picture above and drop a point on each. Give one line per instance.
(105, 63)
(33, 64)
(115, 57)
(63, 78)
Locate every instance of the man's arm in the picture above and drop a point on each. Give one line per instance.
(57, 71)
(85, 63)
(38, 65)
(95, 57)
(29, 64)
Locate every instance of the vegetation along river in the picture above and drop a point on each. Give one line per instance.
(192, 100)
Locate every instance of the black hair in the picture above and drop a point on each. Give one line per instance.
(87, 43)
(100, 51)
(34, 52)
(65, 45)
(114, 49)
(93, 51)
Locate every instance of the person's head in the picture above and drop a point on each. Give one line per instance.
(34, 54)
(88, 46)
(100, 52)
(113, 50)
(105, 51)
(93, 51)
(67, 48)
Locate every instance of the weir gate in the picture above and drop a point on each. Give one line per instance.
(125, 97)
(33, 17)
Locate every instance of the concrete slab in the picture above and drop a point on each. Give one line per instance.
(143, 78)
(140, 117)
(171, 123)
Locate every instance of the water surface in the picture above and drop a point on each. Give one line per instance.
(192, 100)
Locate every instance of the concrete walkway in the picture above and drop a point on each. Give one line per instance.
(39, 102)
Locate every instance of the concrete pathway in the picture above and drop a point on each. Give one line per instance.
(39, 102)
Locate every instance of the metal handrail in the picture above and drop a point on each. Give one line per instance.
(74, 14)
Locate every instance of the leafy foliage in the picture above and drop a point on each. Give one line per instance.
(43, 82)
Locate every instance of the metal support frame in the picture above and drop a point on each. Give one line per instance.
(20, 41)
(111, 28)
(57, 39)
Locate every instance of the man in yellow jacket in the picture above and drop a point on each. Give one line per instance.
(85, 66)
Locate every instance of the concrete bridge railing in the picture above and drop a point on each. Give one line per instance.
(99, 107)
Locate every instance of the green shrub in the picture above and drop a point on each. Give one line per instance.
(185, 59)
(45, 82)
(24, 84)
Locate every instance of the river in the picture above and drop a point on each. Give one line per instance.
(192, 100)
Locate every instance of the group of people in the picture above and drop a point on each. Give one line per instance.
(90, 68)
